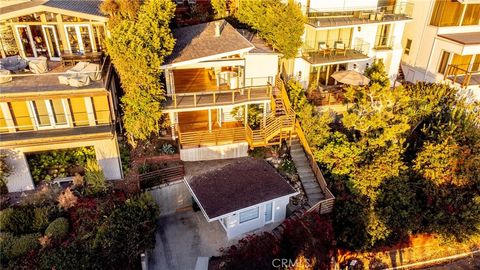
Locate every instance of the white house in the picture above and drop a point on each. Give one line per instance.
(349, 34)
(442, 43)
(243, 195)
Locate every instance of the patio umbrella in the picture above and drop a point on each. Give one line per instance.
(351, 77)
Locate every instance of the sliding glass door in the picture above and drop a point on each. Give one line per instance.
(50, 113)
(51, 40)
(24, 35)
(79, 38)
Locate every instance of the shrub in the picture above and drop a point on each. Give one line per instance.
(67, 199)
(47, 196)
(73, 256)
(41, 218)
(20, 220)
(58, 228)
(5, 216)
(95, 178)
(6, 240)
(23, 244)
(128, 230)
(5, 170)
(168, 149)
(287, 166)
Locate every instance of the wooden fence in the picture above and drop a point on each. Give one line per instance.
(162, 176)
(210, 138)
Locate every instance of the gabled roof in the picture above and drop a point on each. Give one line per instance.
(240, 184)
(88, 8)
(198, 42)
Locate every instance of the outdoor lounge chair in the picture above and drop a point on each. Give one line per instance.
(76, 76)
(38, 65)
(93, 71)
(340, 48)
(13, 63)
(322, 46)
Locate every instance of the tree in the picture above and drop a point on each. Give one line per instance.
(5, 170)
(140, 40)
(377, 75)
(280, 24)
(220, 8)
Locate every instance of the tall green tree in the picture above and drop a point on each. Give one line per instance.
(139, 42)
(280, 24)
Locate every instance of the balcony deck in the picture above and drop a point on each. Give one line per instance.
(460, 79)
(36, 137)
(195, 80)
(319, 22)
(319, 58)
(25, 81)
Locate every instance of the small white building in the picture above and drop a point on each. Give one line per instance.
(442, 43)
(243, 195)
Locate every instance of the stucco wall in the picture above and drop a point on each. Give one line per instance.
(172, 197)
(336, 5)
(260, 66)
(235, 150)
(235, 229)
(106, 152)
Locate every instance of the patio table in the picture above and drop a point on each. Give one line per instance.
(73, 58)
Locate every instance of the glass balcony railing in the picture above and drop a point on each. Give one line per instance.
(334, 50)
(383, 42)
(321, 18)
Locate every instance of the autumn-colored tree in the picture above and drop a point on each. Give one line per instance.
(139, 42)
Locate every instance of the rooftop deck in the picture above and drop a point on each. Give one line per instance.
(195, 80)
(25, 81)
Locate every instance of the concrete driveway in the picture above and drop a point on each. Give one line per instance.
(182, 237)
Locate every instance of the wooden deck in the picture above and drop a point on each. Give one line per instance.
(195, 80)
(198, 121)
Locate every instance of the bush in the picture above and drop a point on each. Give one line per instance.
(5, 216)
(287, 166)
(19, 220)
(96, 182)
(41, 218)
(23, 244)
(73, 256)
(58, 228)
(5, 170)
(6, 240)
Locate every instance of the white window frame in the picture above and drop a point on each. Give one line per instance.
(30, 39)
(248, 209)
(79, 36)
(51, 114)
(56, 45)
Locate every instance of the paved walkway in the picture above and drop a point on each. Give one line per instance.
(309, 183)
(182, 237)
(462, 264)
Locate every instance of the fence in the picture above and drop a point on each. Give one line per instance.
(158, 177)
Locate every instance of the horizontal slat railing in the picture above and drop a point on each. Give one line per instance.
(214, 137)
(158, 177)
(220, 97)
(461, 74)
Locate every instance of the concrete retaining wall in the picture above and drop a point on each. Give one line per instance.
(235, 150)
(171, 197)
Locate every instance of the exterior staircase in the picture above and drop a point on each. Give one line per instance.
(310, 185)
(279, 124)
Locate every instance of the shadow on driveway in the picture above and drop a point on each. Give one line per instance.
(182, 237)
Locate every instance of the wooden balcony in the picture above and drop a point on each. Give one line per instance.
(218, 98)
(462, 75)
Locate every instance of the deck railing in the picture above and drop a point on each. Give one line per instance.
(210, 138)
(461, 74)
(220, 97)
(158, 177)
(402, 8)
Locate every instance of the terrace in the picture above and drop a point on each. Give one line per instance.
(464, 75)
(335, 51)
(382, 14)
(26, 81)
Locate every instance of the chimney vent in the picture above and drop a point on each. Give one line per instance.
(217, 29)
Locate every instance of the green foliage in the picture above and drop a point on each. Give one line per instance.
(350, 222)
(18, 221)
(95, 179)
(128, 230)
(57, 163)
(41, 218)
(73, 256)
(125, 156)
(22, 244)
(279, 24)
(219, 8)
(259, 152)
(168, 149)
(377, 75)
(287, 166)
(139, 42)
(5, 217)
(58, 229)
(6, 240)
(5, 170)
(255, 115)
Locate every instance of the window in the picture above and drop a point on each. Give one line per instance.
(248, 215)
(268, 212)
(443, 62)
(49, 113)
(446, 13)
(472, 15)
(408, 46)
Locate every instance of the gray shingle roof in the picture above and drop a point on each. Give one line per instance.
(197, 41)
(243, 183)
(91, 7)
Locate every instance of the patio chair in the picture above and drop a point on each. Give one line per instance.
(79, 80)
(323, 47)
(340, 48)
(38, 65)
